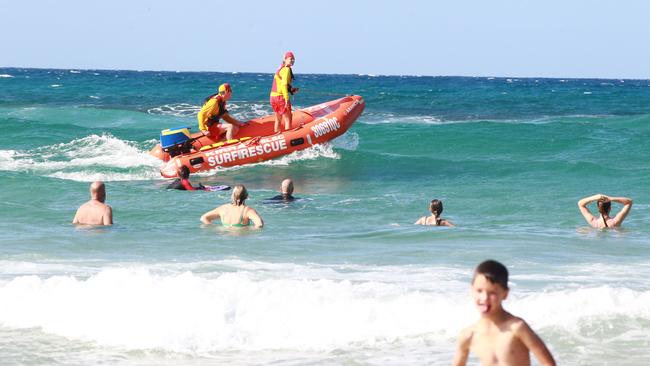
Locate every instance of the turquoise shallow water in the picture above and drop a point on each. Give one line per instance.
(341, 276)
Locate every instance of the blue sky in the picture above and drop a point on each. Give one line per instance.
(519, 38)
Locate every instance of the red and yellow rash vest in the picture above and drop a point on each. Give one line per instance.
(282, 82)
(213, 108)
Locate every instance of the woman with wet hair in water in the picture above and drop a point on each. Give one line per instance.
(435, 207)
(604, 203)
(235, 214)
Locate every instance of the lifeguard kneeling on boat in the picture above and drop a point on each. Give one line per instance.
(214, 111)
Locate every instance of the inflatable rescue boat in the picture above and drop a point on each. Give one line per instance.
(256, 141)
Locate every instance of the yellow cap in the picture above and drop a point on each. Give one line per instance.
(225, 87)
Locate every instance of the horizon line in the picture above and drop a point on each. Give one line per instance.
(334, 74)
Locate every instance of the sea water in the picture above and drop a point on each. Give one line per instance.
(341, 276)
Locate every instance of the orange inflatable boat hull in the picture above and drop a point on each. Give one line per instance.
(256, 142)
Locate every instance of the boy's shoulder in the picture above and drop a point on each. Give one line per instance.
(508, 322)
(515, 323)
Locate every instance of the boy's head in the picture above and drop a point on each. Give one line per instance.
(490, 286)
(494, 271)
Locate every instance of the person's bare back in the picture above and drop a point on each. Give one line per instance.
(95, 211)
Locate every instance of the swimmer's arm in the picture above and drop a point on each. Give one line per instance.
(258, 223)
(621, 215)
(187, 185)
(534, 343)
(210, 216)
(447, 223)
(421, 221)
(107, 218)
(582, 205)
(462, 347)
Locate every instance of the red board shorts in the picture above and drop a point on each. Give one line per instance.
(279, 105)
(217, 129)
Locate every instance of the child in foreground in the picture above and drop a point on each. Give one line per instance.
(498, 338)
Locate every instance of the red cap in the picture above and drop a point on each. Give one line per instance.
(289, 54)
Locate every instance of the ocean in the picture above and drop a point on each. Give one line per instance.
(341, 276)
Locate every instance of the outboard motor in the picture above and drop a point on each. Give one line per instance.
(176, 141)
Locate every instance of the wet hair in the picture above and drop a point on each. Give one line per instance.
(239, 195)
(494, 271)
(604, 206)
(184, 172)
(436, 208)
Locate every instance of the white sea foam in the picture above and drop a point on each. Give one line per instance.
(241, 110)
(424, 119)
(178, 110)
(6, 76)
(325, 150)
(106, 177)
(248, 111)
(263, 306)
(392, 119)
(75, 72)
(86, 159)
(55, 85)
(137, 309)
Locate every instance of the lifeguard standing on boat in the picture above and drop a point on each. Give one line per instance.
(281, 92)
(213, 110)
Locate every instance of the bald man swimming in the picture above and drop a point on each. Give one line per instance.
(95, 211)
(287, 193)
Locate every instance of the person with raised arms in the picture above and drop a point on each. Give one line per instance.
(604, 204)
